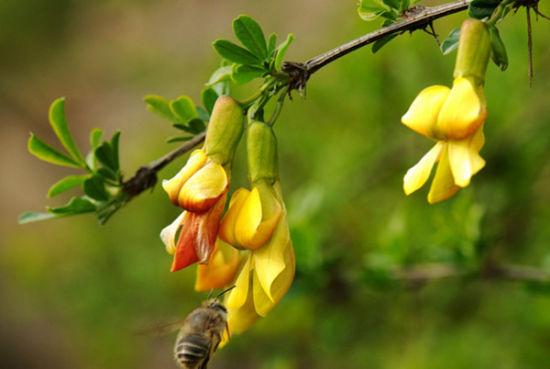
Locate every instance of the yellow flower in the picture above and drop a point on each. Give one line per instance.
(255, 222)
(201, 186)
(220, 270)
(454, 117)
(448, 114)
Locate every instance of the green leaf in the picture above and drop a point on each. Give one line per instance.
(178, 139)
(196, 125)
(76, 205)
(108, 173)
(159, 105)
(235, 53)
(115, 150)
(96, 135)
(61, 129)
(281, 51)
(34, 216)
(221, 74)
(451, 42)
(498, 49)
(66, 184)
(47, 153)
(371, 9)
(271, 43)
(394, 4)
(378, 44)
(94, 187)
(481, 9)
(105, 155)
(183, 108)
(246, 73)
(203, 114)
(249, 32)
(209, 97)
(183, 127)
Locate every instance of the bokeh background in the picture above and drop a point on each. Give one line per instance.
(74, 293)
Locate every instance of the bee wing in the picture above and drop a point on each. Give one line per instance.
(161, 329)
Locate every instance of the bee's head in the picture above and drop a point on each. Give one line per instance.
(215, 304)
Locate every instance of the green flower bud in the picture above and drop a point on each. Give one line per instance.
(262, 153)
(224, 130)
(474, 49)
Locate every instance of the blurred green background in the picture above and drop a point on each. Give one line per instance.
(74, 293)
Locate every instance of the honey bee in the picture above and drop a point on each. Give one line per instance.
(201, 334)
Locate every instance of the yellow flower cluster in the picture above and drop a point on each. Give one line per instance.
(253, 238)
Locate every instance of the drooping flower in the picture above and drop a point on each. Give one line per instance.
(454, 117)
(257, 222)
(201, 187)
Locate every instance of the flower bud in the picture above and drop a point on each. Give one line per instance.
(224, 130)
(262, 152)
(474, 49)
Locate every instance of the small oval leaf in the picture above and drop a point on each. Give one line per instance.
(61, 129)
(66, 184)
(45, 152)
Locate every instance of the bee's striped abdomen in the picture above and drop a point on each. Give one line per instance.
(191, 350)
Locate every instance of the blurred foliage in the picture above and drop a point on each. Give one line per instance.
(75, 293)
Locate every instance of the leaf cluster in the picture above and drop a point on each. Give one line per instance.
(182, 113)
(389, 10)
(255, 57)
(101, 182)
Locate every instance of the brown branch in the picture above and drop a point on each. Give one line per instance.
(146, 176)
(419, 275)
(415, 18)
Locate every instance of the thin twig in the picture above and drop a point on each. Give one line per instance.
(302, 71)
(424, 273)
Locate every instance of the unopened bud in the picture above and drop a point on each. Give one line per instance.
(224, 130)
(474, 50)
(262, 152)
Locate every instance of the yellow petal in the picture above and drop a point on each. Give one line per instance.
(477, 162)
(422, 115)
(443, 185)
(203, 189)
(241, 318)
(269, 261)
(478, 140)
(169, 233)
(172, 186)
(476, 143)
(238, 295)
(419, 174)
(464, 110)
(459, 160)
(220, 270)
(227, 226)
(258, 217)
(264, 303)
